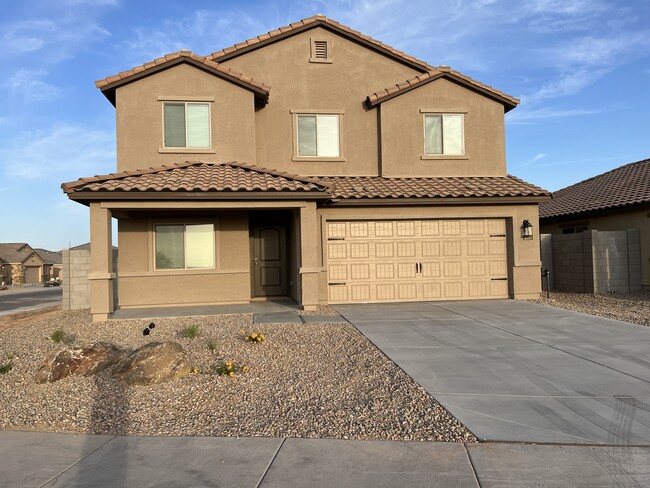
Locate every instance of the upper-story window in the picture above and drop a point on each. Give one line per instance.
(444, 134)
(187, 124)
(318, 135)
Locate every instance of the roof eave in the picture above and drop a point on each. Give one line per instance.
(414, 63)
(109, 89)
(495, 200)
(507, 103)
(85, 197)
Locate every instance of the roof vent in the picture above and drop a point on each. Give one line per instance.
(321, 51)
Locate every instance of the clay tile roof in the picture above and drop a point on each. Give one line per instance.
(309, 23)
(360, 187)
(198, 176)
(620, 187)
(433, 74)
(111, 82)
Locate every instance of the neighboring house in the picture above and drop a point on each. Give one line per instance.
(312, 162)
(612, 201)
(53, 267)
(19, 263)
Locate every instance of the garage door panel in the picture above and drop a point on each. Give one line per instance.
(370, 261)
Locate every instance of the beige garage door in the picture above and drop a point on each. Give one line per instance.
(32, 274)
(410, 260)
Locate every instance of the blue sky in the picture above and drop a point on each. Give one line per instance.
(580, 67)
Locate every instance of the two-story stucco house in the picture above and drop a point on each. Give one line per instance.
(312, 162)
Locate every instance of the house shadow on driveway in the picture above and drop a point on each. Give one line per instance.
(513, 371)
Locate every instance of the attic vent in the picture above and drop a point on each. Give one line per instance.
(321, 51)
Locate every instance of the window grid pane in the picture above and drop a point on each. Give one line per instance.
(198, 125)
(174, 115)
(307, 145)
(433, 134)
(452, 131)
(328, 135)
(170, 253)
(199, 246)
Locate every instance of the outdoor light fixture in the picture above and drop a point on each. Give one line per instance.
(526, 230)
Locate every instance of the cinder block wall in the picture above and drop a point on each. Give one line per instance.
(595, 261)
(76, 286)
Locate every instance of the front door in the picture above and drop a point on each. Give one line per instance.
(269, 260)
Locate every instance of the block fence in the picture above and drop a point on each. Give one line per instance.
(593, 261)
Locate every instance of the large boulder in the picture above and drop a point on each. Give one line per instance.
(153, 363)
(78, 360)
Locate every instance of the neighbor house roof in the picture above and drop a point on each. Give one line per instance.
(108, 85)
(50, 257)
(620, 187)
(370, 187)
(376, 98)
(15, 252)
(234, 177)
(310, 23)
(197, 176)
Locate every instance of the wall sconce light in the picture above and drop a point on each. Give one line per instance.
(526, 230)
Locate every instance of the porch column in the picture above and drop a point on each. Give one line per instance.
(101, 274)
(309, 268)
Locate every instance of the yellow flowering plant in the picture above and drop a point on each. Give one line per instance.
(254, 337)
(230, 368)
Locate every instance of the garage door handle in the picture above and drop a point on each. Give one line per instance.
(337, 284)
(499, 279)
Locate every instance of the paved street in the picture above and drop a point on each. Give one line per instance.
(29, 298)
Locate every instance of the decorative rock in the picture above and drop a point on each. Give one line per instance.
(78, 360)
(153, 363)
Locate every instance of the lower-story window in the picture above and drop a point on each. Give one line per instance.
(184, 246)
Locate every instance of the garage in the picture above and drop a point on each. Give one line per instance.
(32, 274)
(415, 260)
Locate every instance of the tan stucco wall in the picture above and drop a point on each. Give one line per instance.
(402, 133)
(139, 116)
(523, 255)
(631, 219)
(141, 285)
(355, 73)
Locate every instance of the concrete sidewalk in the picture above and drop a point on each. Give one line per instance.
(32, 459)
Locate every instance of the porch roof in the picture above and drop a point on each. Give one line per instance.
(201, 179)
(197, 176)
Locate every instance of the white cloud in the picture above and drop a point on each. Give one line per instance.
(537, 157)
(525, 116)
(55, 36)
(203, 32)
(27, 84)
(63, 151)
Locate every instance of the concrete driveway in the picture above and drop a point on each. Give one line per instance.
(521, 372)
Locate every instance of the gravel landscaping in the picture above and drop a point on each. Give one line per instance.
(311, 380)
(628, 307)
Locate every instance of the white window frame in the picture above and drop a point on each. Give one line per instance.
(186, 103)
(296, 140)
(443, 154)
(185, 225)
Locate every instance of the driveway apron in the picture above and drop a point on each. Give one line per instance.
(521, 372)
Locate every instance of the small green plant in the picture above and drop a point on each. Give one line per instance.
(58, 336)
(6, 367)
(254, 337)
(191, 331)
(213, 345)
(229, 368)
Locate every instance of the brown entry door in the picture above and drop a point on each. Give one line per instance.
(269, 260)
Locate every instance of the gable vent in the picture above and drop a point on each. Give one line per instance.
(321, 51)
